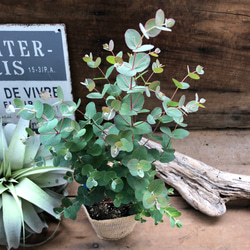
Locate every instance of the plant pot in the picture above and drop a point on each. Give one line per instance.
(112, 229)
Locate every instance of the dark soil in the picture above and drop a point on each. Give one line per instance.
(106, 210)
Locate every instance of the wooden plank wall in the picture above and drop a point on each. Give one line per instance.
(214, 34)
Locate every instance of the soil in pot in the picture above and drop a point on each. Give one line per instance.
(106, 210)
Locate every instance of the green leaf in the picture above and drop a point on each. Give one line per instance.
(125, 82)
(19, 103)
(150, 119)
(16, 159)
(29, 191)
(140, 153)
(167, 156)
(173, 112)
(95, 95)
(133, 39)
(111, 59)
(185, 85)
(180, 133)
(181, 101)
(13, 223)
(48, 111)
(117, 185)
(150, 24)
(47, 127)
(91, 182)
(97, 62)
(142, 128)
(126, 69)
(154, 85)
(146, 166)
(109, 175)
(166, 119)
(159, 17)
(143, 48)
(140, 61)
(90, 110)
(32, 147)
(31, 218)
(95, 150)
(156, 186)
(28, 113)
(87, 169)
(162, 201)
(116, 105)
(134, 101)
(109, 71)
(126, 145)
(146, 196)
(166, 130)
(194, 76)
(199, 70)
(173, 104)
(177, 83)
(60, 93)
(158, 70)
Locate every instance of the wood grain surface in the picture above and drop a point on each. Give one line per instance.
(214, 34)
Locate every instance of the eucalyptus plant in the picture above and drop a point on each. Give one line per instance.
(105, 148)
(28, 187)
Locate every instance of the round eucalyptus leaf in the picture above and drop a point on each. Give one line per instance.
(150, 26)
(140, 61)
(133, 39)
(125, 82)
(159, 17)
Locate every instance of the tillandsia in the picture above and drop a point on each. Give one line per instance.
(29, 184)
(104, 148)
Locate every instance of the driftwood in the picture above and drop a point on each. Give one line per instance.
(205, 188)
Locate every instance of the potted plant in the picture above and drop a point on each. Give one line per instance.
(111, 163)
(29, 184)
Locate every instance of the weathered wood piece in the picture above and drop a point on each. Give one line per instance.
(205, 188)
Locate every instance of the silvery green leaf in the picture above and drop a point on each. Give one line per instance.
(29, 191)
(163, 28)
(114, 151)
(143, 48)
(94, 95)
(125, 82)
(133, 39)
(16, 160)
(150, 119)
(202, 100)
(139, 62)
(31, 217)
(182, 101)
(32, 147)
(12, 224)
(143, 30)
(169, 23)
(199, 70)
(150, 26)
(3, 142)
(159, 17)
(126, 69)
(185, 85)
(180, 133)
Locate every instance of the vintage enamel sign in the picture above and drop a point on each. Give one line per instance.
(33, 58)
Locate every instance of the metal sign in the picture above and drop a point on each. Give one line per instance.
(33, 58)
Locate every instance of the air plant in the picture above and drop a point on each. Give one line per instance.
(29, 184)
